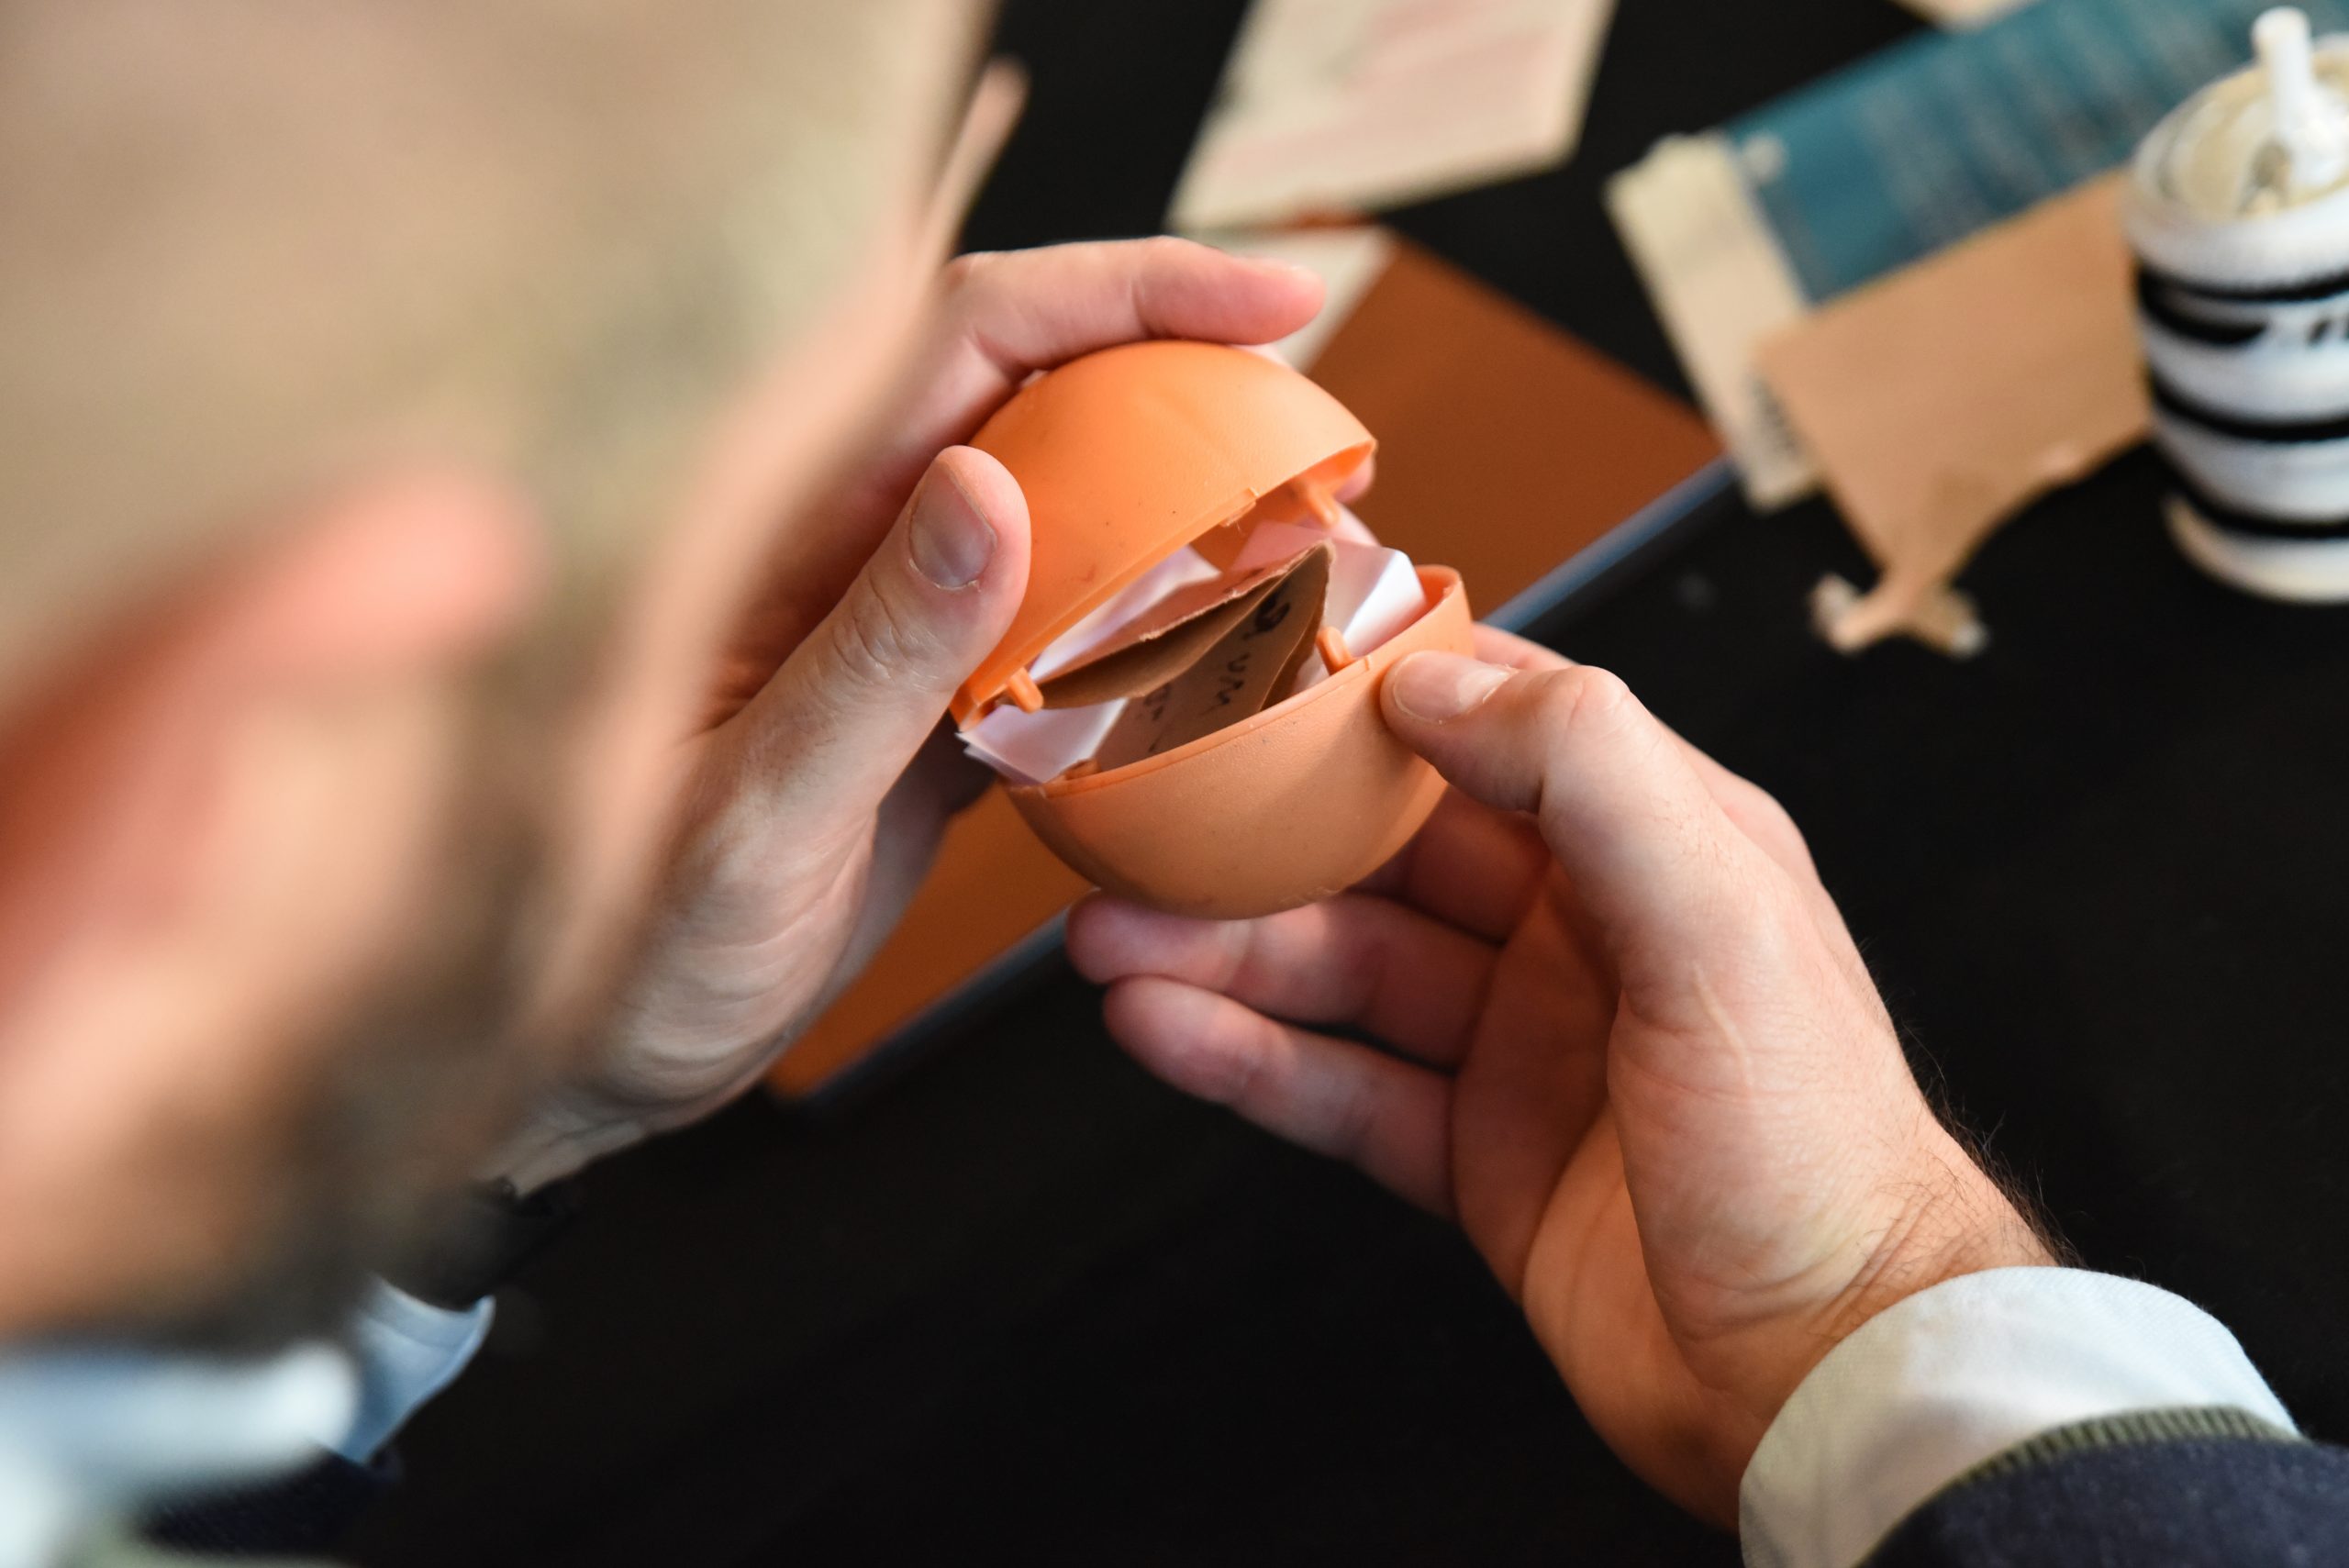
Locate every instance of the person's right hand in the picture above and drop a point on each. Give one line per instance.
(819, 781)
(1635, 1053)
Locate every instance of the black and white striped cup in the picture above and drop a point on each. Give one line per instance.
(2239, 215)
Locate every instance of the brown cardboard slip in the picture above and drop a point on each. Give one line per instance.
(1165, 640)
(1255, 659)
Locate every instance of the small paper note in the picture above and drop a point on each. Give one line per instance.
(1237, 677)
(1172, 635)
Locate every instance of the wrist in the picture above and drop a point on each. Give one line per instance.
(1952, 1377)
(1935, 1216)
(1951, 1219)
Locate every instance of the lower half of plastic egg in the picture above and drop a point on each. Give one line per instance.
(1289, 803)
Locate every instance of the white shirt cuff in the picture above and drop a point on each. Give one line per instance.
(407, 1352)
(1956, 1374)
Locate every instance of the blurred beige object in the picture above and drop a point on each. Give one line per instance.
(1940, 400)
(1722, 283)
(1348, 258)
(1964, 13)
(1342, 105)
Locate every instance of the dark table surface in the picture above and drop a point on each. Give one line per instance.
(1024, 1304)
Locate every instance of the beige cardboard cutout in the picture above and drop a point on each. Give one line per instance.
(1943, 399)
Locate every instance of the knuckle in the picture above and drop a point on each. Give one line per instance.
(1781, 933)
(1569, 705)
(873, 644)
(1757, 813)
(970, 272)
(1584, 697)
(1166, 251)
(1761, 812)
(1351, 1128)
(1233, 1075)
(1773, 908)
(1734, 892)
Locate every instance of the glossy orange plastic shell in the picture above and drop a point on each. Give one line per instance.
(1302, 800)
(1128, 454)
(1125, 456)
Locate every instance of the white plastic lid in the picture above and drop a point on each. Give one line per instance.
(2238, 185)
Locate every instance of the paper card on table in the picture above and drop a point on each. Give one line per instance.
(1339, 105)
(1240, 675)
(1170, 636)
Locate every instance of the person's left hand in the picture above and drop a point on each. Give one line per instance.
(821, 781)
(1605, 1015)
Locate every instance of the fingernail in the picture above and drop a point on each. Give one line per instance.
(1438, 686)
(952, 542)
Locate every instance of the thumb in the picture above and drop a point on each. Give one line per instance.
(1649, 850)
(845, 715)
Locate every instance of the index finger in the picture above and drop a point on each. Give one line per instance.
(1651, 853)
(1007, 315)
(1755, 812)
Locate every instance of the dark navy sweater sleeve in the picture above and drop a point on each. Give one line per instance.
(2180, 1488)
(305, 1512)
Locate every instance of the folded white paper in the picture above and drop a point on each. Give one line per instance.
(1028, 748)
(1180, 570)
